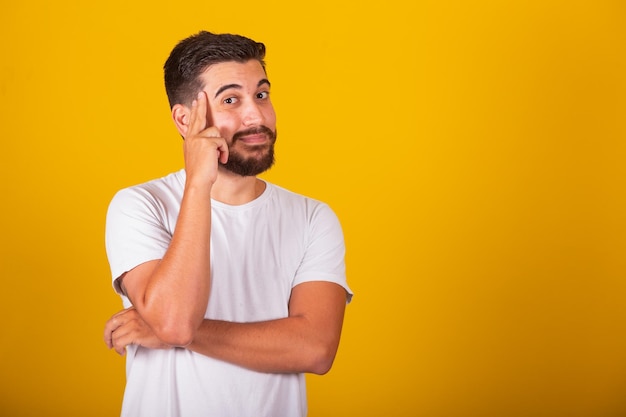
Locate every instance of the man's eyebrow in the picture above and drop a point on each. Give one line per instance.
(226, 87)
(238, 87)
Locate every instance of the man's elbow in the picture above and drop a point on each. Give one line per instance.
(322, 359)
(175, 334)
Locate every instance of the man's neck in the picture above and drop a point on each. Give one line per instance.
(233, 189)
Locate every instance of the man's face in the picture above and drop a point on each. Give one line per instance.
(241, 109)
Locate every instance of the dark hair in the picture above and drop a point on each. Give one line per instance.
(193, 55)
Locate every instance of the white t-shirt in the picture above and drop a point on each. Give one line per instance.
(259, 252)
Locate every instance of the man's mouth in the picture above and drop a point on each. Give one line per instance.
(254, 139)
(255, 136)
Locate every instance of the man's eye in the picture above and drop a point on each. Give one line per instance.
(230, 100)
(264, 94)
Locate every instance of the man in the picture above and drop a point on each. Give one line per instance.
(233, 287)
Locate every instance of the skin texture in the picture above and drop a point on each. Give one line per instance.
(170, 295)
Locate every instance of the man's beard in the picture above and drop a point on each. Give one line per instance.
(257, 163)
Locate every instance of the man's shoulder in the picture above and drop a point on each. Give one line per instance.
(284, 193)
(172, 182)
(164, 190)
(285, 197)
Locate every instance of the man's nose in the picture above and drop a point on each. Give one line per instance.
(252, 115)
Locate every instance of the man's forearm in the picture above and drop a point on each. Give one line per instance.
(306, 341)
(277, 346)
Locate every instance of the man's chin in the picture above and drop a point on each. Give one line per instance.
(250, 166)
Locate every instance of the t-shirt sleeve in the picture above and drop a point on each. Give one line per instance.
(324, 257)
(136, 231)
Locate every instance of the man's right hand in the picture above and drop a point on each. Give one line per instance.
(204, 147)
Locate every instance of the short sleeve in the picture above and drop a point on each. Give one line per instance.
(324, 257)
(136, 231)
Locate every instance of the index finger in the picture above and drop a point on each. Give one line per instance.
(199, 116)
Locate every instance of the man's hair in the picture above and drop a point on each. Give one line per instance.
(193, 55)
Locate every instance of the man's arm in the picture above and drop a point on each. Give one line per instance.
(171, 294)
(305, 341)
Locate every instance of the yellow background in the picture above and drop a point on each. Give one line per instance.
(474, 151)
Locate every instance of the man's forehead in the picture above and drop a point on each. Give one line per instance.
(233, 72)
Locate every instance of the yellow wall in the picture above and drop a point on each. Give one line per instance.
(474, 151)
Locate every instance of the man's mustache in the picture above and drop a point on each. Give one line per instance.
(255, 131)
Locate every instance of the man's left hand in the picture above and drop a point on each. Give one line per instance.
(128, 328)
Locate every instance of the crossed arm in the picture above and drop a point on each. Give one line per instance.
(305, 341)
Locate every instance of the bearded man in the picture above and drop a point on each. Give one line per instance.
(233, 287)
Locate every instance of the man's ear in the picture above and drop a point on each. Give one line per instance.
(180, 114)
